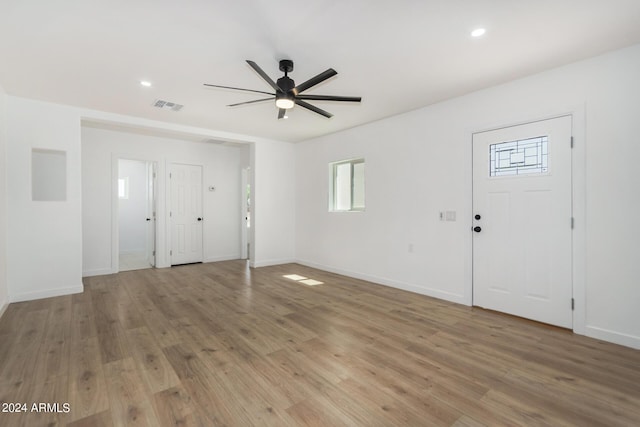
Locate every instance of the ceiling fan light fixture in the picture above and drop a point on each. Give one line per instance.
(284, 102)
(287, 94)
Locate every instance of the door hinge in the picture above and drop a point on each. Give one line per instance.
(170, 213)
(571, 142)
(153, 253)
(573, 304)
(170, 252)
(573, 222)
(169, 175)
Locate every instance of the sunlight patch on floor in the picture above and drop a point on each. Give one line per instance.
(294, 277)
(303, 280)
(310, 282)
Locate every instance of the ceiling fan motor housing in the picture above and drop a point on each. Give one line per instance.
(286, 84)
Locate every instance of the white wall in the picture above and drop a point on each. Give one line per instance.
(4, 290)
(221, 208)
(132, 211)
(44, 238)
(419, 164)
(273, 209)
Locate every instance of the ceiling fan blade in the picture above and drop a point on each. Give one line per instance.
(330, 98)
(264, 75)
(315, 80)
(281, 113)
(250, 102)
(312, 108)
(237, 88)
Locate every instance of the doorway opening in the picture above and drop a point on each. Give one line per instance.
(136, 215)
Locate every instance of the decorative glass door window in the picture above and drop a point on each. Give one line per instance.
(523, 157)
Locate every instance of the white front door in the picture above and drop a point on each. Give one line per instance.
(522, 221)
(186, 214)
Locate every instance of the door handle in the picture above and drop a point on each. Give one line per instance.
(148, 219)
(477, 229)
(199, 219)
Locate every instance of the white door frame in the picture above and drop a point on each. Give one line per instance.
(578, 187)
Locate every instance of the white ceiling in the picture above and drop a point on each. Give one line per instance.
(398, 55)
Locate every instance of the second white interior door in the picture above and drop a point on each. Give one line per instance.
(186, 214)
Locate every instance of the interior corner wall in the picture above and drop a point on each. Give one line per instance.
(419, 164)
(44, 240)
(4, 290)
(221, 208)
(273, 208)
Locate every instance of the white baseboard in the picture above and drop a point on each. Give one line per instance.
(430, 292)
(222, 258)
(267, 263)
(614, 337)
(97, 272)
(3, 307)
(48, 293)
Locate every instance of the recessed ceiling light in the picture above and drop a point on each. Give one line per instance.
(478, 32)
(145, 83)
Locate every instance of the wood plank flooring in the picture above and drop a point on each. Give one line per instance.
(223, 345)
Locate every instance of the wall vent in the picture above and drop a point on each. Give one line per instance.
(166, 105)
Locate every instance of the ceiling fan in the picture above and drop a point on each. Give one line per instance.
(287, 94)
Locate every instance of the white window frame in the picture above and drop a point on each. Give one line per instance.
(333, 168)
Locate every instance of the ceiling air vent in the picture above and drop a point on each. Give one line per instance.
(166, 105)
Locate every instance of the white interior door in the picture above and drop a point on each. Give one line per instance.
(245, 221)
(522, 221)
(151, 213)
(186, 214)
(135, 228)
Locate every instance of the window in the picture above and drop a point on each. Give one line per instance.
(523, 157)
(346, 188)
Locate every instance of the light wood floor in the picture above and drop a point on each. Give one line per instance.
(133, 261)
(220, 344)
